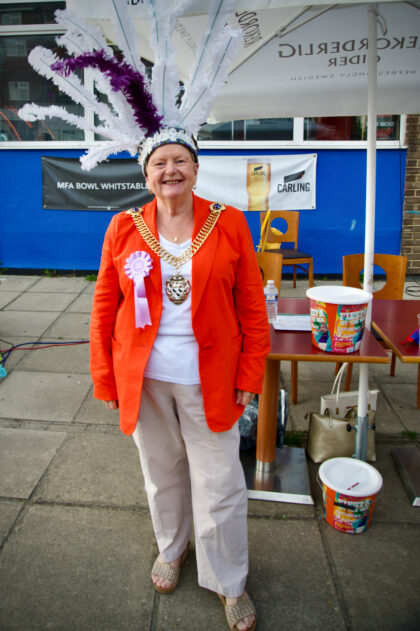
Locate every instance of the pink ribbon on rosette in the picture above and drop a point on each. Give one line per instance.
(137, 267)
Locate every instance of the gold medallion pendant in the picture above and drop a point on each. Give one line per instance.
(177, 288)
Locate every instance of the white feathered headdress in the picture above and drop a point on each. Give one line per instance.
(141, 114)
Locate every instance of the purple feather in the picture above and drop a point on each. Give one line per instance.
(123, 78)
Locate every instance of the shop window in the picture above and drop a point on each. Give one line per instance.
(11, 19)
(350, 128)
(251, 129)
(16, 47)
(21, 84)
(29, 13)
(19, 91)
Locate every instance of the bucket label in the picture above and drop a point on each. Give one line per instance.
(345, 513)
(337, 328)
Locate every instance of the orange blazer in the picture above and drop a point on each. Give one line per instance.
(229, 318)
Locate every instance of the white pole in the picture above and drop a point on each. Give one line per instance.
(362, 409)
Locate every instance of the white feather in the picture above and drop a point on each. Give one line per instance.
(198, 101)
(32, 112)
(124, 118)
(165, 85)
(100, 153)
(41, 60)
(210, 41)
(126, 36)
(80, 36)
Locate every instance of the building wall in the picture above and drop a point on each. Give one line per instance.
(34, 238)
(410, 243)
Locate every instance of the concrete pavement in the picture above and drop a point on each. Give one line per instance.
(76, 542)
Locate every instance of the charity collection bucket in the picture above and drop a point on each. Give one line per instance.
(338, 317)
(349, 489)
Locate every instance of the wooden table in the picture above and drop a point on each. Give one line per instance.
(395, 320)
(297, 346)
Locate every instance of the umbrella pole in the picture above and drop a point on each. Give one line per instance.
(362, 407)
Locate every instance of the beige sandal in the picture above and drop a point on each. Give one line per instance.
(240, 610)
(172, 574)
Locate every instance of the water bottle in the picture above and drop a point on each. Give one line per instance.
(271, 297)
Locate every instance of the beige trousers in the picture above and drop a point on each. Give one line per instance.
(191, 471)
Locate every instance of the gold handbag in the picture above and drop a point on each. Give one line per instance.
(332, 437)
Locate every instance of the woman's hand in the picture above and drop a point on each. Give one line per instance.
(112, 405)
(243, 397)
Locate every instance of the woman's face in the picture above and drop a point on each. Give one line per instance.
(171, 172)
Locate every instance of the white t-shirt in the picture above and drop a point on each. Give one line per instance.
(174, 356)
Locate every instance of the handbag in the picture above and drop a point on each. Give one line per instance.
(333, 437)
(340, 402)
(330, 432)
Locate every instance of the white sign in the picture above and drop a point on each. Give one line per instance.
(259, 182)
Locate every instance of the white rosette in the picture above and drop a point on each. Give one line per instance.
(137, 267)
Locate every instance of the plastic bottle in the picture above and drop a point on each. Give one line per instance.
(271, 297)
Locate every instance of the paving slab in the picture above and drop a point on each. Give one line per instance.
(42, 301)
(26, 323)
(394, 504)
(71, 568)
(280, 510)
(290, 583)
(64, 359)
(404, 373)
(24, 457)
(16, 355)
(94, 411)
(82, 304)
(43, 396)
(16, 282)
(90, 287)
(378, 373)
(378, 574)
(6, 297)
(9, 510)
(68, 284)
(73, 326)
(403, 398)
(95, 468)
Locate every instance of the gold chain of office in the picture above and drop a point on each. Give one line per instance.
(154, 245)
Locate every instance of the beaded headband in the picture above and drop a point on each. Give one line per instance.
(166, 136)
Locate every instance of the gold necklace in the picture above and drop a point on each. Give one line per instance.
(177, 287)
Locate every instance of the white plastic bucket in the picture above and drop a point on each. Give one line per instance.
(349, 489)
(338, 317)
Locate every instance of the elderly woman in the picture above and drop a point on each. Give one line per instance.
(179, 336)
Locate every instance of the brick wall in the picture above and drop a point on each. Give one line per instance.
(410, 243)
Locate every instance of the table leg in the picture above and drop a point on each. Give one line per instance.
(294, 380)
(267, 415)
(418, 385)
(311, 273)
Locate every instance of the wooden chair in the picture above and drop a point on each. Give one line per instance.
(272, 240)
(394, 266)
(270, 265)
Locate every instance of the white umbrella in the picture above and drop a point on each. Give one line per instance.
(309, 60)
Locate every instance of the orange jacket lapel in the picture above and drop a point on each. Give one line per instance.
(202, 261)
(155, 276)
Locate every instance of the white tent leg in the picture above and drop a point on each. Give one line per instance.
(362, 411)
